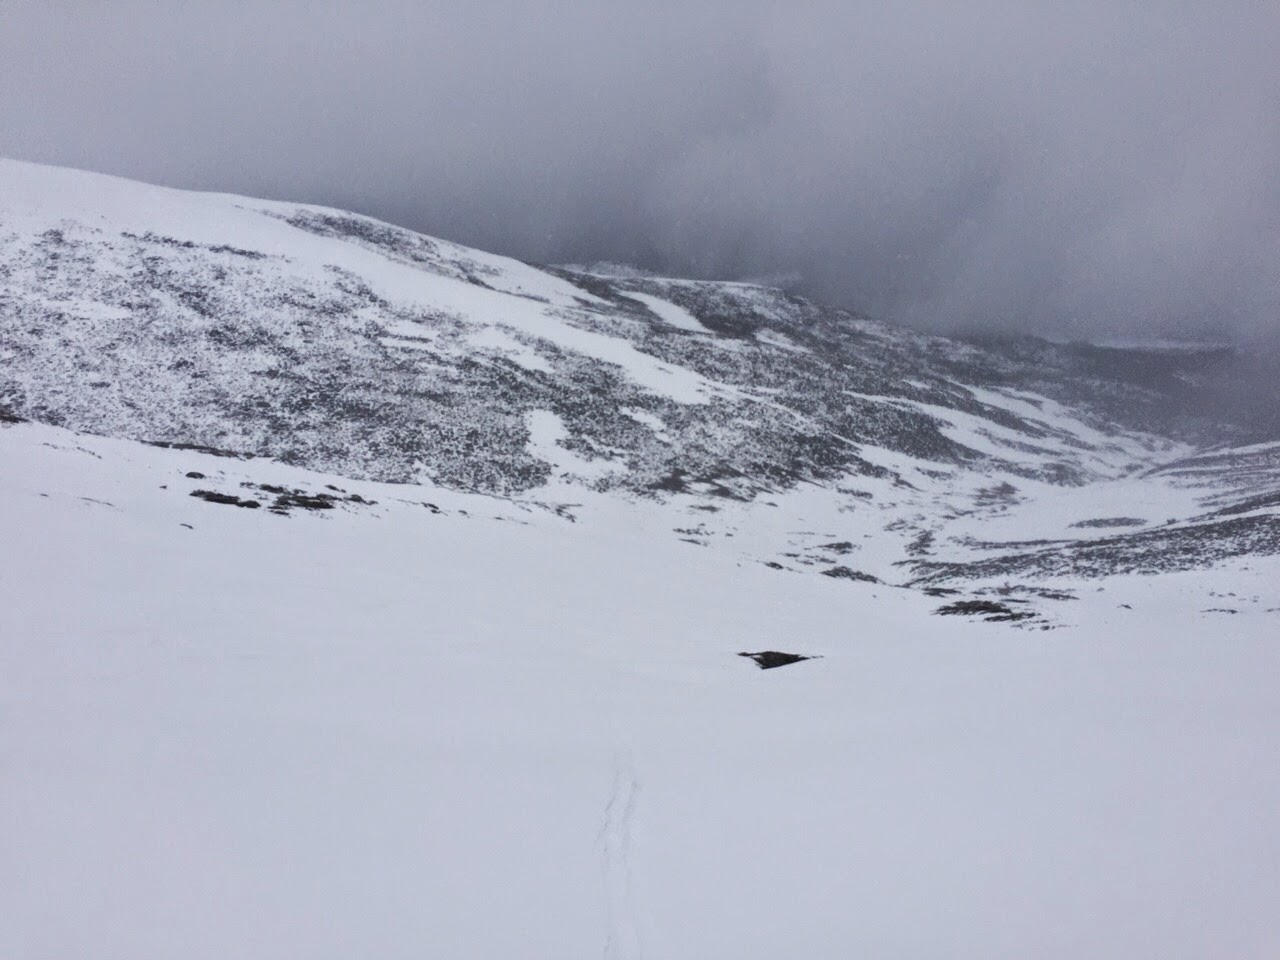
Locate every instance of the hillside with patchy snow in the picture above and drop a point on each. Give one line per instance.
(334, 342)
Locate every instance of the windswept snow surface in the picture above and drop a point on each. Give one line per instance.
(448, 725)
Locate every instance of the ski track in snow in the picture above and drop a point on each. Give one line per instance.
(615, 840)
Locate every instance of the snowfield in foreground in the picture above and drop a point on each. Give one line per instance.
(421, 723)
(365, 595)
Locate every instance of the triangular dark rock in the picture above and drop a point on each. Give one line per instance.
(768, 659)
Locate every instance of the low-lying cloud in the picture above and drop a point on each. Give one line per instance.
(1090, 169)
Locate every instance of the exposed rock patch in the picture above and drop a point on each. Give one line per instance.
(769, 659)
(214, 497)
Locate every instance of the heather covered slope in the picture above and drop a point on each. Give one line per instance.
(334, 342)
(337, 342)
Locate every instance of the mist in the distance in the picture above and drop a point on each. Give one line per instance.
(1094, 169)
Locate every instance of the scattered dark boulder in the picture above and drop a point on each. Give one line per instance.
(307, 501)
(214, 497)
(843, 547)
(768, 659)
(195, 475)
(285, 499)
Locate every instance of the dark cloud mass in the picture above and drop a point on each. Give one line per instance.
(1095, 168)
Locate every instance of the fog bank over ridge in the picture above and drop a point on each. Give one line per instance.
(1076, 172)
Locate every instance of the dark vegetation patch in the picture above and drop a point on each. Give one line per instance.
(1002, 494)
(843, 547)
(845, 573)
(1260, 502)
(199, 448)
(1053, 594)
(173, 242)
(286, 499)
(214, 497)
(1158, 550)
(975, 544)
(989, 610)
(1018, 592)
(769, 659)
(7, 417)
(601, 287)
(281, 500)
(711, 485)
(331, 396)
(922, 544)
(858, 494)
(1104, 522)
(237, 251)
(303, 501)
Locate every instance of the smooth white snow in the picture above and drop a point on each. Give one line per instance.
(393, 733)
(668, 312)
(547, 434)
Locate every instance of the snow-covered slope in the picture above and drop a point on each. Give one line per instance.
(428, 723)
(368, 595)
(335, 342)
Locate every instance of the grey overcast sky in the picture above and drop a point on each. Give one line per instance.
(1095, 168)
